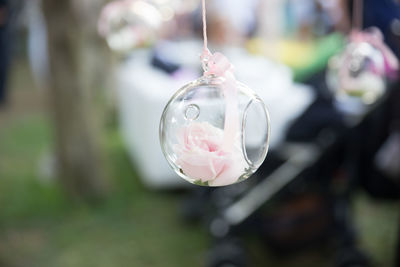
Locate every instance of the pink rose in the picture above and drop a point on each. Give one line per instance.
(201, 157)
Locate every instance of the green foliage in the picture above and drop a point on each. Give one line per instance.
(199, 182)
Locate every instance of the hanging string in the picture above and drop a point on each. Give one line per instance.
(204, 25)
(358, 7)
(206, 53)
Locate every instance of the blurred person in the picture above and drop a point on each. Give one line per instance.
(4, 48)
(230, 22)
(240, 14)
(337, 12)
(309, 18)
(37, 42)
(271, 27)
(300, 17)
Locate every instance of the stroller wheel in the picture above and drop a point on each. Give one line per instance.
(227, 253)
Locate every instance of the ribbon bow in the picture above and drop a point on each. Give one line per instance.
(219, 65)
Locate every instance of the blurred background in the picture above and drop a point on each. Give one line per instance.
(83, 181)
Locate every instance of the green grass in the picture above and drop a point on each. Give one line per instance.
(134, 226)
(40, 227)
(22, 144)
(378, 223)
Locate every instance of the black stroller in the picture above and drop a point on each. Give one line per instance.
(299, 198)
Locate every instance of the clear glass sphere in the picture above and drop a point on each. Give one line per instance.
(128, 24)
(193, 139)
(357, 73)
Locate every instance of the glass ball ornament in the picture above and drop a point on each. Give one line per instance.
(357, 74)
(212, 139)
(129, 24)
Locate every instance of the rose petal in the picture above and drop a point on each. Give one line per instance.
(200, 155)
(231, 173)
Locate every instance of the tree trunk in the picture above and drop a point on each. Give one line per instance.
(71, 78)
